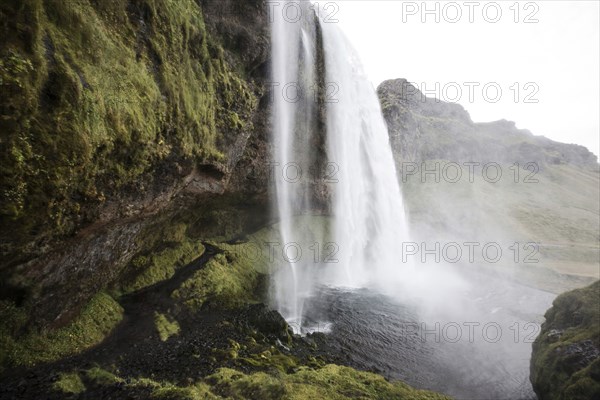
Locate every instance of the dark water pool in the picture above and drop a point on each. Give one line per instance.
(480, 349)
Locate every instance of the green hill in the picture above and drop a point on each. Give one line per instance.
(548, 192)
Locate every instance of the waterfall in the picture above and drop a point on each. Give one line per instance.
(294, 119)
(368, 223)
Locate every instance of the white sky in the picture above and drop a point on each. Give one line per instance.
(559, 54)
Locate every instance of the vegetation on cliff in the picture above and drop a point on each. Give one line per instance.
(94, 323)
(546, 192)
(109, 111)
(566, 355)
(101, 98)
(199, 333)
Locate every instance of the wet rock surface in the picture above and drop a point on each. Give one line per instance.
(251, 338)
(565, 363)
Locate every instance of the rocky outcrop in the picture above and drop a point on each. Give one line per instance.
(134, 130)
(565, 363)
(423, 128)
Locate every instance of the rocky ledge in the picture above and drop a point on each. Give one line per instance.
(566, 355)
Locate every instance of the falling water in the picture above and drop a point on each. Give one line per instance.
(294, 121)
(369, 295)
(368, 222)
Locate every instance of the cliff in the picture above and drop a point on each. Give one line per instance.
(565, 363)
(134, 186)
(424, 128)
(535, 191)
(127, 126)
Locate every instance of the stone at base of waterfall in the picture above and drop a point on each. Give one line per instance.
(269, 322)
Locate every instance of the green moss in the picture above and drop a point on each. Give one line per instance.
(271, 359)
(165, 328)
(170, 391)
(584, 384)
(260, 356)
(236, 276)
(229, 279)
(329, 382)
(219, 283)
(159, 390)
(102, 377)
(69, 383)
(93, 324)
(160, 266)
(95, 101)
(572, 324)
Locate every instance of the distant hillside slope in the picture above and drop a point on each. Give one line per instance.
(552, 197)
(423, 128)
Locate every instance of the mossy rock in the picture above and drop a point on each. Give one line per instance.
(69, 383)
(95, 321)
(165, 327)
(146, 270)
(565, 363)
(228, 280)
(100, 99)
(329, 382)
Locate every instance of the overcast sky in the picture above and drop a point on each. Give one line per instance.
(552, 59)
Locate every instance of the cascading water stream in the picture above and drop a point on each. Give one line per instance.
(372, 297)
(293, 117)
(368, 222)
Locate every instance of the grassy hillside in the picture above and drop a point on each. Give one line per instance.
(547, 193)
(559, 212)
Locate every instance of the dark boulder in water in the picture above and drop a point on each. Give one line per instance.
(268, 322)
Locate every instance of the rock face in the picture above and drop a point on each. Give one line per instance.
(423, 128)
(121, 120)
(565, 363)
(130, 128)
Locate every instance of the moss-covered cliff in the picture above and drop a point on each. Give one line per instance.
(127, 126)
(101, 96)
(565, 363)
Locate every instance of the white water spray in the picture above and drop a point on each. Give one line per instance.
(293, 68)
(368, 222)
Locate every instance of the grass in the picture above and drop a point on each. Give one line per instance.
(95, 321)
(329, 382)
(227, 280)
(152, 268)
(560, 212)
(69, 383)
(237, 275)
(234, 277)
(164, 327)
